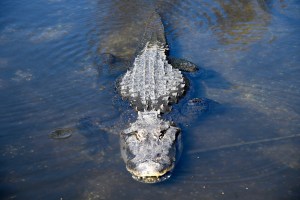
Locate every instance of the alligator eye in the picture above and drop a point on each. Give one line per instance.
(162, 133)
(135, 133)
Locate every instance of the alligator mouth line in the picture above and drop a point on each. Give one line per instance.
(159, 177)
(152, 179)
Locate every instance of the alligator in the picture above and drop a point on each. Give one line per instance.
(151, 146)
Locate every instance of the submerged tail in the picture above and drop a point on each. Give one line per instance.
(154, 31)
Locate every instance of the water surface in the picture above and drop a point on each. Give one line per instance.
(55, 72)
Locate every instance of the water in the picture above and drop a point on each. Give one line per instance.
(54, 74)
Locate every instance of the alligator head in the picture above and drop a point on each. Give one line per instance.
(150, 147)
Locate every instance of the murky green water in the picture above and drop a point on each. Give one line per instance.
(54, 73)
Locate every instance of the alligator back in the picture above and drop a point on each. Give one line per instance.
(152, 83)
(150, 146)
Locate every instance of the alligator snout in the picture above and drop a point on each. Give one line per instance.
(149, 168)
(150, 171)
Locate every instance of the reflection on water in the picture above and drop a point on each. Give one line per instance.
(232, 22)
(57, 70)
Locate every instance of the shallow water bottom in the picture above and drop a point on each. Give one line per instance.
(55, 72)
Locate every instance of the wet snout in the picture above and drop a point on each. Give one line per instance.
(150, 171)
(148, 168)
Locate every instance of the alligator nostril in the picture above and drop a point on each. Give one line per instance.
(162, 133)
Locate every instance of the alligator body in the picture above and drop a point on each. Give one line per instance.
(151, 145)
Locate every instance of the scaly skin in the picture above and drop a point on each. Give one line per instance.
(152, 83)
(151, 146)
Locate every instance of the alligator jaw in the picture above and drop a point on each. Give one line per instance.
(152, 179)
(147, 172)
(150, 147)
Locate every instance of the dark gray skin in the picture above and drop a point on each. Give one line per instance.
(182, 64)
(151, 146)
